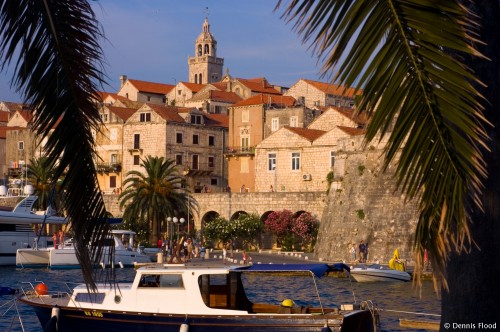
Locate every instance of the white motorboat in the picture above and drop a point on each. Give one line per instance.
(201, 297)
(375, 272)
(65, 257)
(17, 231)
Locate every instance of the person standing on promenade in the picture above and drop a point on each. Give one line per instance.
(362, 252)
(352, 251)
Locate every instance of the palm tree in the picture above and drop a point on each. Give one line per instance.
(155, 195)
(41, 176)
(54, 47)
(424, 70)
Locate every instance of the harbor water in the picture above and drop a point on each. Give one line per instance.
(394, 300)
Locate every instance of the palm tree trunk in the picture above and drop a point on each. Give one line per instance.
(473, 288)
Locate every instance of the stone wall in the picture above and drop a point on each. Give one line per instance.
(363, 205)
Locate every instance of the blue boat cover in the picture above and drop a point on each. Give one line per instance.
(318, 269)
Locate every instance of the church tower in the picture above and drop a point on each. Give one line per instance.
(205, 66)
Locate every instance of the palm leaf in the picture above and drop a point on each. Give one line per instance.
(57, 47)
(406, 54)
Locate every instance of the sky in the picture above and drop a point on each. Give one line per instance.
(151, 40)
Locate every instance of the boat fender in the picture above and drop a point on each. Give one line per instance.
(41, 289)
(7, 291)
(184, 326)
(326, 329)
(52, 325)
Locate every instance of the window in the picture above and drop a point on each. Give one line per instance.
(214, 182)
(211, 161)
(244, 139)
(196, 138)
(332, 158)
(179, 92)
(211, 140)
(195, 119)
(275, 124)
(104, 117)
(178, 138)
(137, 160)
(178, 159)
(20, 145)
(294, 121)
(145, 117)
(112, 181)
(113, 134)
(149, 98)
(161, 280)
(114, 158)
(137, 141)
(195, 161)
(295, 161)
(245, 116)
(271, 161)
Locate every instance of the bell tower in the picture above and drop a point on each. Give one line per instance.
(205, 66)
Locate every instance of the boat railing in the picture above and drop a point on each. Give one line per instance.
(43, 294)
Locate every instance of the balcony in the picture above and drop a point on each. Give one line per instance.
(240, 151)
(109, 168)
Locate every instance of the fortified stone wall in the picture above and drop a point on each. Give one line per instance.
(363, 205)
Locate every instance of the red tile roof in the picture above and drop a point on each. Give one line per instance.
(217, 120)
(361, 119)
(352, 131)
(259, 85)
(169, 113)
(122, 112)
(224, 96)
(4, 116)
(333, 89)
(260, 99)
(309, 134)
(151, 87)
(194, 87)
(12, 107)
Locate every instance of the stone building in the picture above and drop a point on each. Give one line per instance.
(109, 147)
(246, 130)
(143, 91)
(300, 159)
(314, 94)
(194, 139)
(182, 92)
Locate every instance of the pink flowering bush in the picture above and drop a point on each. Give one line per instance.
(289, 229)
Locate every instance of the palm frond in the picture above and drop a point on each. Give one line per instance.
(58, 71)
(406, 54)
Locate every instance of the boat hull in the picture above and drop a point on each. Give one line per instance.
(28, 258)
(376, 275)
(78, 319)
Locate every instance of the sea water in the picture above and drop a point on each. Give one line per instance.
(395, 300)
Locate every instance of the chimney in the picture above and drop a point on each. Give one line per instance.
(123, 79)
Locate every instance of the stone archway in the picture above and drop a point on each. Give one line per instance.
(267, 240)
(236, 215)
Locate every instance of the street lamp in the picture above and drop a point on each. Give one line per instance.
(181, 221)
(171, 230)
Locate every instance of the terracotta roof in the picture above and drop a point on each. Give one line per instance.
(259, 85)
(169, 113)
(151, 87)
(103, 95)
(122, 112)
(309, 134)
(4, 116)
(220, 85)
(224, 96)
(194, 87)
(260, 99)
(217, 120)
(333, 89)
(352, 131)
